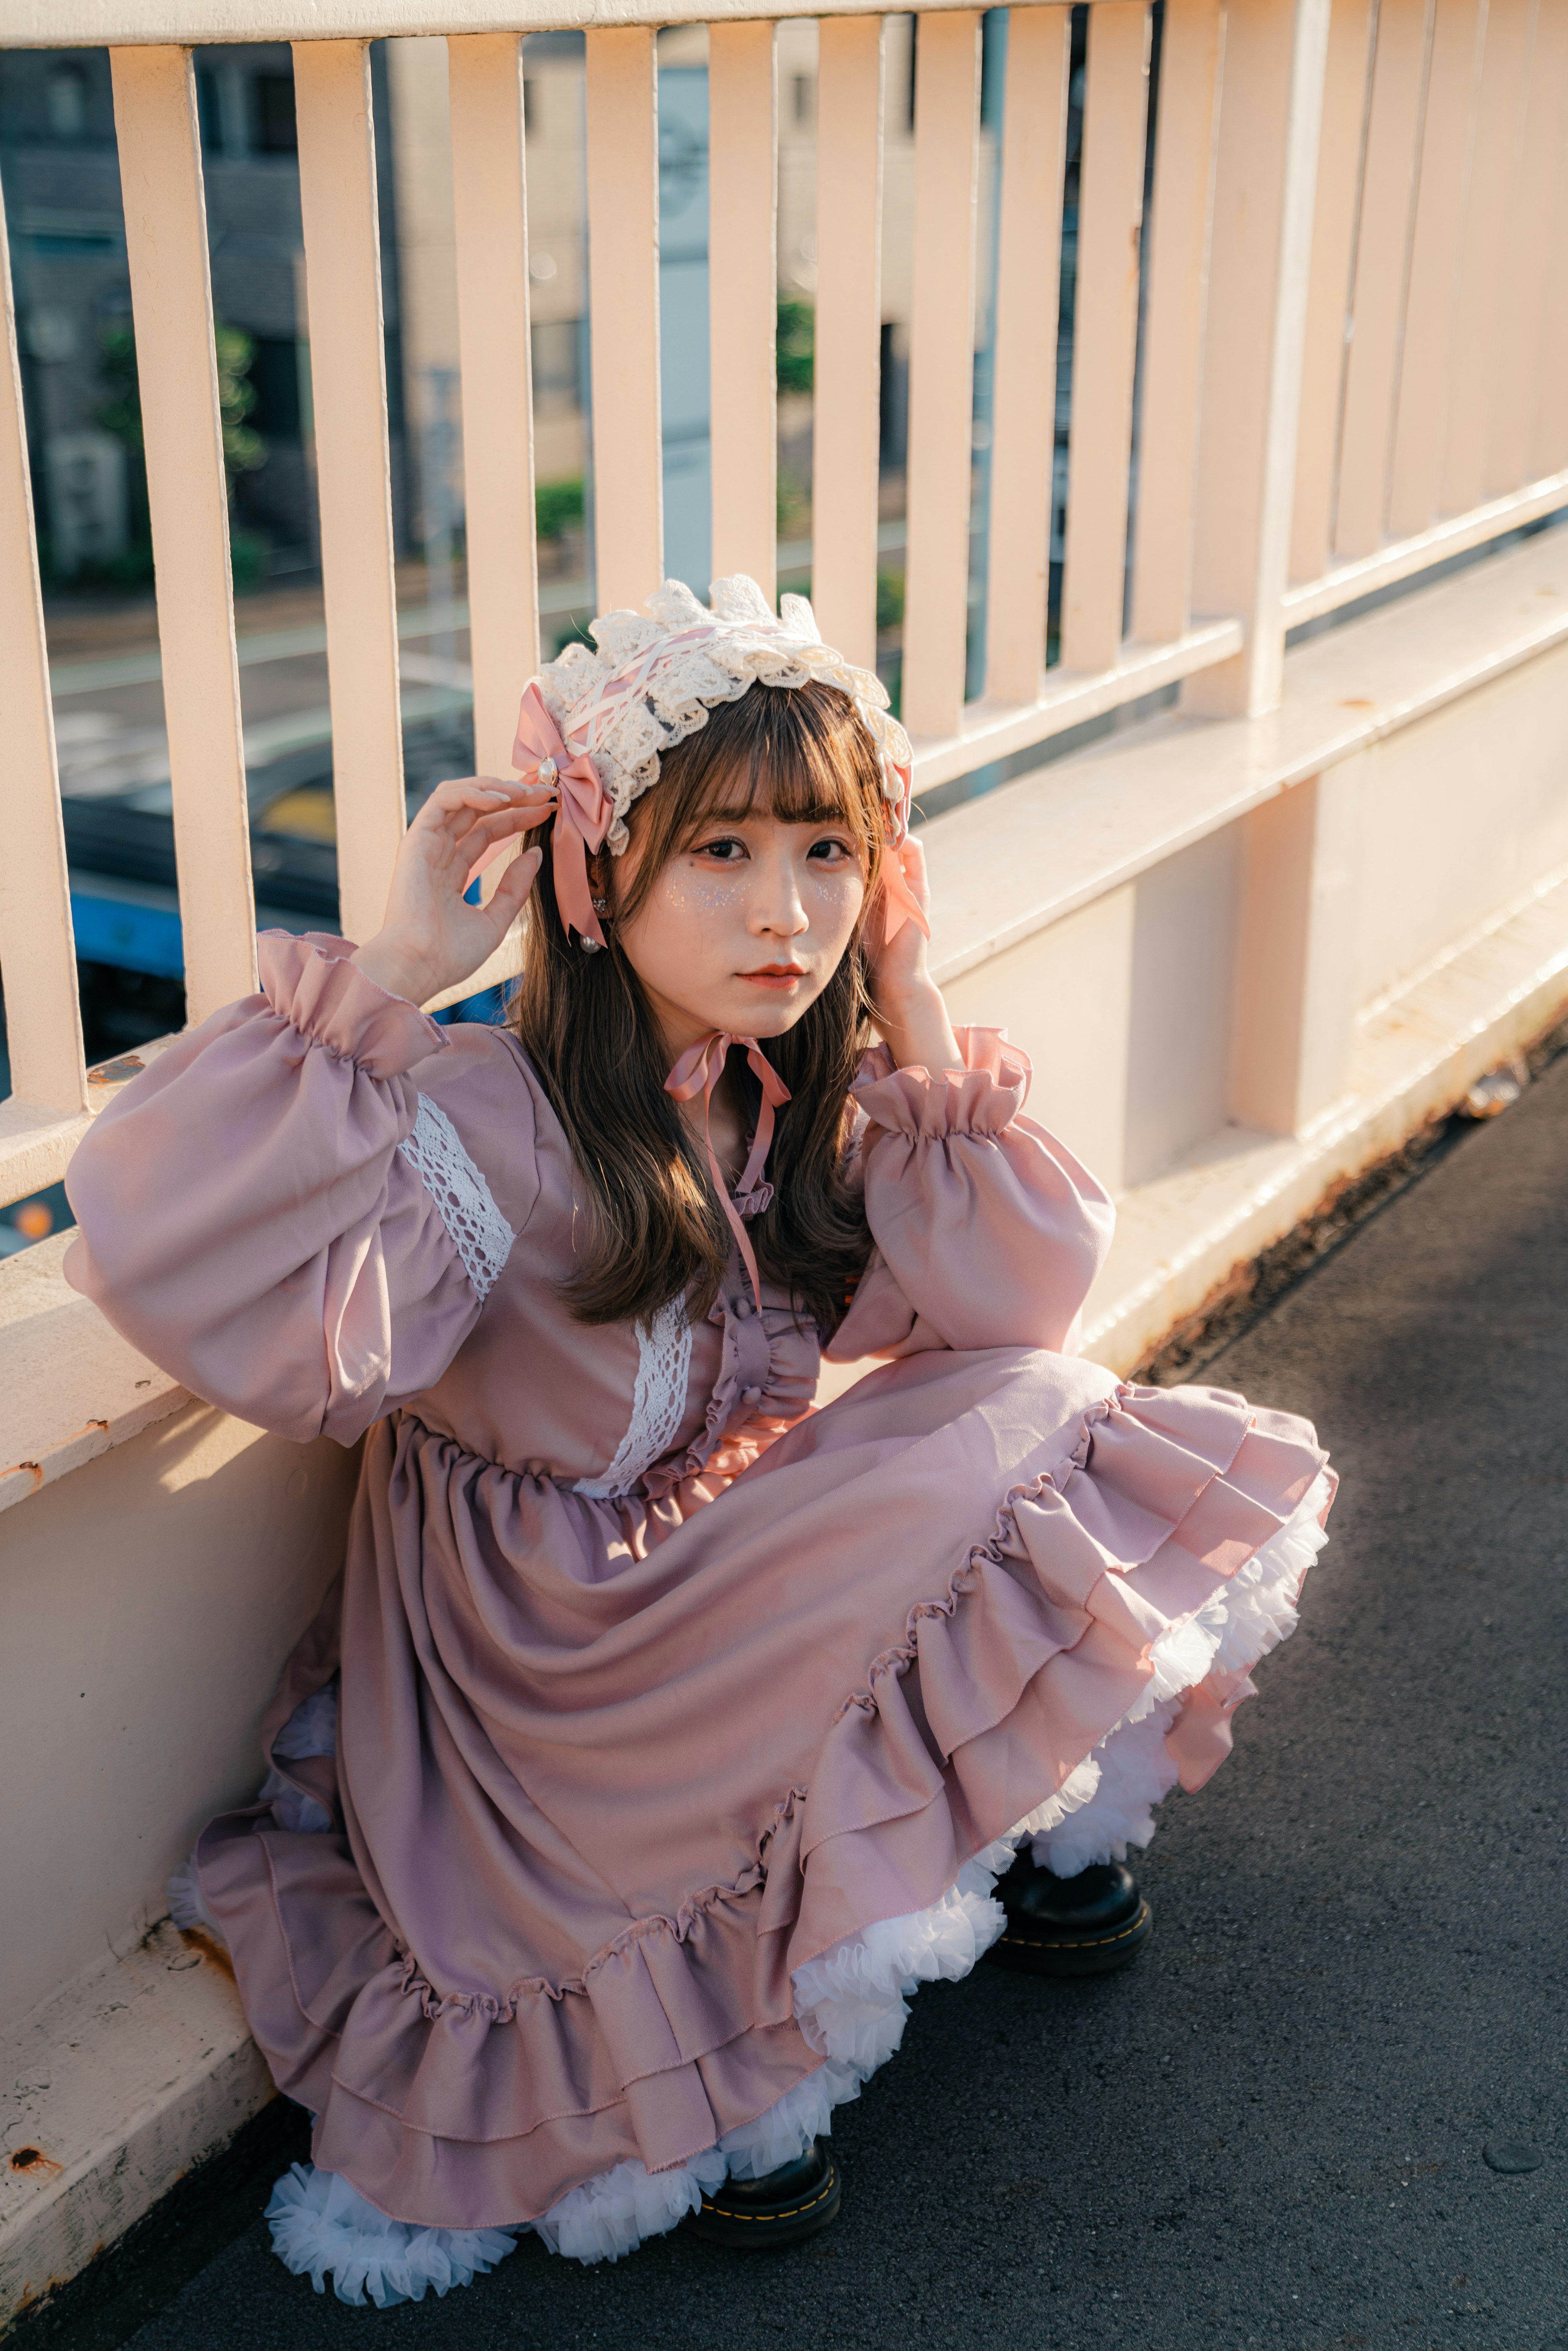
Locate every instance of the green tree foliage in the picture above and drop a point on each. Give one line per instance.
(557, 505)
(796, 345)
(120, 412)
(889, 599)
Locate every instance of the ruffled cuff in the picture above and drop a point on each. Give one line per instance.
(310, 982)
(982, 1097)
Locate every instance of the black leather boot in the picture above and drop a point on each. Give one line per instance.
(1083, 1926)
(757, 2216)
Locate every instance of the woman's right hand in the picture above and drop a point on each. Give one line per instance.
(432, 939)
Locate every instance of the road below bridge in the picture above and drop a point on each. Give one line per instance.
(1273, 2130)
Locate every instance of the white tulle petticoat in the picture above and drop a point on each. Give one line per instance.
(851, 2002)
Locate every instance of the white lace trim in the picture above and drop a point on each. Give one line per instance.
(658, 1400)
(480, 1233)
(647, 683)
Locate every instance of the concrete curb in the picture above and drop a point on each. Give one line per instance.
(138, 2071)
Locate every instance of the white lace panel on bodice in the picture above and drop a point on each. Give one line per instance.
(479, 1232)
(658, 1400)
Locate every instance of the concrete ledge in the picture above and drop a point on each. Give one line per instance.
(115, 2088)
(37, 1143)
(1417, 1054)
(73, 1386)
(1005, 866)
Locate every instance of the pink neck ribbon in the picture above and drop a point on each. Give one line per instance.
(583, 814)
(698, 1071)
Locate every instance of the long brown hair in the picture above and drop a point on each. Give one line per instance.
(657, 1231)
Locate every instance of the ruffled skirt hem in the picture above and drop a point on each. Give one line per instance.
(851, 1999)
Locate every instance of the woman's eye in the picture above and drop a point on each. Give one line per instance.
(727, 849)
(830, 852)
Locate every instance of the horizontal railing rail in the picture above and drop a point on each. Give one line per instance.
(1327, 361)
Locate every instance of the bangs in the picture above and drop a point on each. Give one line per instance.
(782, 773)
(796, 753)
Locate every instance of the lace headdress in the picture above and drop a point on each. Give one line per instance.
(596, 721)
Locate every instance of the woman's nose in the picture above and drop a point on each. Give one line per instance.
(777, 909)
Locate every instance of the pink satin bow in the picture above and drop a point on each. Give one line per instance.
(583, 812)
(899, 903)
(698, 1071)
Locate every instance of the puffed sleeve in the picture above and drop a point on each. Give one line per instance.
(278, 1216)
(988, 1232)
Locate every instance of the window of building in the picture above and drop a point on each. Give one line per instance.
(65, 102)
(273, 106)
(894, 398)
(208, 113)
(557, 362)
(274, 379)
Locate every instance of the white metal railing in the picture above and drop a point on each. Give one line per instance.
(1434, 407)
(1350, 370)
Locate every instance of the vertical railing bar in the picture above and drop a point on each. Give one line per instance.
(37, 953)
(623, 309)
(1105, 333)
(348, 393)
(1413, 199)
(1548, 421)
(1260, 252)
(1530, 257)
(1389, 179)
(846, 404)
(1172, 328)
(187, 492)
(1347, 88)
(1431, 320)
(490, 210)
(1023, 412)
(743, 210)
(1474, 375)
(941, 371)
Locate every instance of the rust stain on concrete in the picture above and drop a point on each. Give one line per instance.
(34, 1469)
(207, 1947)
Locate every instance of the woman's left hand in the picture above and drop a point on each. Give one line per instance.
(910, 1012)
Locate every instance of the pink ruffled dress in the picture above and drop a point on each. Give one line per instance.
(680, 1729)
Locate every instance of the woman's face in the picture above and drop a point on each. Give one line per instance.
(745, 926)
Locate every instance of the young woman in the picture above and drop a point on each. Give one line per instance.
(663, 1734)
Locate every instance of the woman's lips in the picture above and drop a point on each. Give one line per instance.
(776, 975)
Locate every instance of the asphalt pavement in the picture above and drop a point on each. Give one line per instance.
(1273, 2129)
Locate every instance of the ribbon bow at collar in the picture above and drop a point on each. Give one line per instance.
(698, 1071)
(583, 814)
